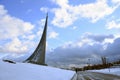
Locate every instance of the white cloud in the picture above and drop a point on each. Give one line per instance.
(12, 27)
(62, 21)
(108, 40)
(16, 46)
(74, 27)
(61, 3)
(117, 35)
(80, 51)
(113, 25)
(41, 22)
(93, 11)
(29, 37)
(98, 38)
(18, 33)
(116, 1)
(2, 11)
(44, 9)
(53, 35)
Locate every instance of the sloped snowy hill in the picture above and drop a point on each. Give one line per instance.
(26, 71)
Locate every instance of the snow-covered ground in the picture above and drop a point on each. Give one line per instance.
(26, 71)
(115, 71)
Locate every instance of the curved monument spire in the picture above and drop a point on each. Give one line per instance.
(38, 56)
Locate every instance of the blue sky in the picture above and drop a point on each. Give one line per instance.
(74, 27)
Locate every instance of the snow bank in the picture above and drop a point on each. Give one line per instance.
(26, 71)
(115, 71)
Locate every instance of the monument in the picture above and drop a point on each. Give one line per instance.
(38, 56)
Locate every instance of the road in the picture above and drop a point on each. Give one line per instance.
(84, 75)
